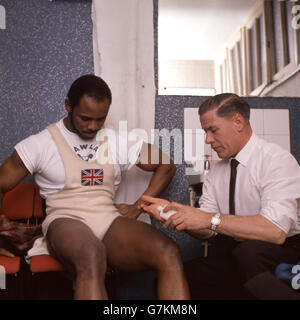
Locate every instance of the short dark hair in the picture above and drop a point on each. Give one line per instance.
(89, 85)
(227, 104)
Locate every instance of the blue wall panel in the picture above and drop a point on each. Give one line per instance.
(45, 46)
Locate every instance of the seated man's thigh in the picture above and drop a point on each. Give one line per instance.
(69, 240)
(135, 245)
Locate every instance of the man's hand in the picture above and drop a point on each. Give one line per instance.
(20, 235)
(134, 210)
(4, 252)
(151, 204)
(187, 218)
(131, 211)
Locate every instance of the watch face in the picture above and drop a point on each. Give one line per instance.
(215, 220)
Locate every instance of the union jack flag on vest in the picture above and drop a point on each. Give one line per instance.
(91, 177)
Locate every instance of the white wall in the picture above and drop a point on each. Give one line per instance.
(270, 124)
(288, 88)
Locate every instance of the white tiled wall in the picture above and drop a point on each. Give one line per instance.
(191, 118)
(270, 124)
(193, 132)
(276, 122)
(257, 121)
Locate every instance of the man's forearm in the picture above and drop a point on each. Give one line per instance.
(160, 180)
(254, 227)
(153, 159)
(203, 234)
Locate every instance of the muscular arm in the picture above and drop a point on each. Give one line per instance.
(150, 205)
(163, 172)
(151, 159)
(197, 222)
(254, 227)
(11, 173)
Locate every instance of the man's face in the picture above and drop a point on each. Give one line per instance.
(88, 117)
(221, 134)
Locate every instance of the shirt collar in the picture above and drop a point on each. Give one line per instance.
(244, 155)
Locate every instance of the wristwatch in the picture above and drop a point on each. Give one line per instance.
(215, 221)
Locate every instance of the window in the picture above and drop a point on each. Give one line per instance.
(266, 51)
(187, 77)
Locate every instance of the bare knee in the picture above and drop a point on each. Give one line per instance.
(166, 253)
(91, 259)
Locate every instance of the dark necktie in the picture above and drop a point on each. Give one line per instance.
(233, 164)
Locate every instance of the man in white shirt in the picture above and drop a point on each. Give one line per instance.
(83, 228)
(251, 211)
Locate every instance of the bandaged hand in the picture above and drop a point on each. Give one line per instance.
(152, 205)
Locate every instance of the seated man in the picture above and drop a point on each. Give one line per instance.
(83, 229)
(249, 206)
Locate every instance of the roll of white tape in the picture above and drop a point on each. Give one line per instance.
(165, 215)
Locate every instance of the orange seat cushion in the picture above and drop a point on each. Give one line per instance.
(45, 263)
(23, 202)
(11, 265)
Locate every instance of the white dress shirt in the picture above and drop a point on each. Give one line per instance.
(267, 183)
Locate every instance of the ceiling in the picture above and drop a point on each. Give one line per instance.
(198, 29)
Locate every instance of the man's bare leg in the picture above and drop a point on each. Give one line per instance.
(82, 253)
(133, 245)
